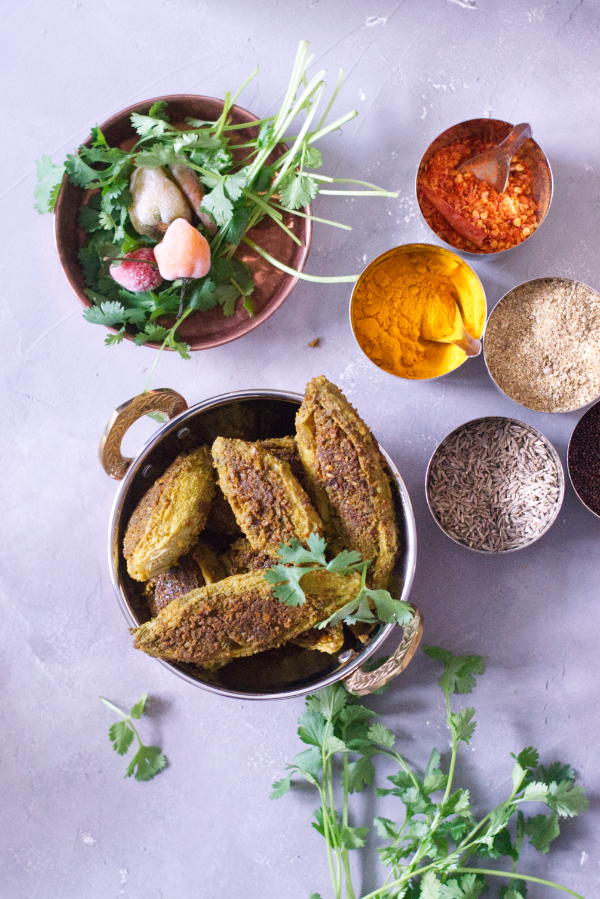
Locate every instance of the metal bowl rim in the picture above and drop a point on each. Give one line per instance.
(335, 676)
(559, 501)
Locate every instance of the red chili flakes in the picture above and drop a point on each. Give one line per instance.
(468, 213)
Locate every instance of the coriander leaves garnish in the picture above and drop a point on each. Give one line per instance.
(148, 760)
(430, 853)
(296, 561)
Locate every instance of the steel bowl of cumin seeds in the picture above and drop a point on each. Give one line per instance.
(495, 485)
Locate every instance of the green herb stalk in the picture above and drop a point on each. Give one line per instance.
(438, 850)
(148, 760)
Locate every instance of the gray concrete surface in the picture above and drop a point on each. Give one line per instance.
(70, 825)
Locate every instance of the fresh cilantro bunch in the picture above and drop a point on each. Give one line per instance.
(285, 579)
(148, 760)
(239, 194)
(438, 849)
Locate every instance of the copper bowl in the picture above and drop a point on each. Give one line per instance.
(490, 130)
(202, 330)
(251, 415)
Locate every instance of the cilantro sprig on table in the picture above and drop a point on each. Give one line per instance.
(148, 760)
(431, 852)
(296, 561)
(239, 194)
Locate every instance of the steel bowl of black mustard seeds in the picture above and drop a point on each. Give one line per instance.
(583, 459)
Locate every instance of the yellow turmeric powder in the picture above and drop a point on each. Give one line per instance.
(406, 293)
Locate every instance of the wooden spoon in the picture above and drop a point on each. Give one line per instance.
(493, 166)
(458, 335)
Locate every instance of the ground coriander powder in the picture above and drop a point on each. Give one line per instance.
(542, 344)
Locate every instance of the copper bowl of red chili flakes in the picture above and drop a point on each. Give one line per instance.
(468, 214)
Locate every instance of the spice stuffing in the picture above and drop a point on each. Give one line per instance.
(584, 459)
(494, 485)
(407, 293)
(542, 344)
(470, 214)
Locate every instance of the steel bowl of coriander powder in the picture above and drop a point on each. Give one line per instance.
(542, 344)
(495, 485)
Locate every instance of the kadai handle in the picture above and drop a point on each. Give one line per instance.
(361, 682)
(164, 400)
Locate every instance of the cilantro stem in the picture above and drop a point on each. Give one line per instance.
(338, 279)
(125, 717)
(512, 875)
(358, 193)
(313, 218)
(244, 85)
(166, 341)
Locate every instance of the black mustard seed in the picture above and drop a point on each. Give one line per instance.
(584, 458)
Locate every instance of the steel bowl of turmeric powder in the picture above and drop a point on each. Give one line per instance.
(403, 309)
(470, 215)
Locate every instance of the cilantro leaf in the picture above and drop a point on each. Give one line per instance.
(557, 771)
(535, 792)
(203, 295)
(49, 180)
(156, 155)
(108, 314)
(310, 760)
(459, 670)
(462, 725)
(148, 760)
(158, 110)
(361, 774)
(281, 787)
(149, 125)
(331, 702)
(237, 225)
(89, 219)
(136, 711)
(313, 158)
(218, 205)
(527, 758)
(567, 800)
(286, 584)
(430, 886)
(390, 609)
(297, 190)
(114, 339)
(121, 735)
(312, 728)
(345, 561)
(80, 173)
(470, 886)
(386, 828)
(98, 139)
(382, 735)
(353, 837)
(234, 184)
(296, 554)
(541, 830)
